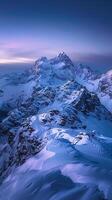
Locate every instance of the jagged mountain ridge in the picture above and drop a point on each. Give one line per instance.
(100, 84)
(57, 109)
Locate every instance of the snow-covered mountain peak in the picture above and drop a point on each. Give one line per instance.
(54, 71)
(62, 57)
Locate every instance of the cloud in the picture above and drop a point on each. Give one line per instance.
(28, 51)
(15, 52)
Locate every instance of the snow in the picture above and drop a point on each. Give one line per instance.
(93, 84)
(12, 92)
(59, 165)
(81, 174)
(59, 65)
(106, 101)
(62, 132)
(37, 162)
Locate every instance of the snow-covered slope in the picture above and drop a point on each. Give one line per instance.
(100, 84)
(57, 139)
(14, 89)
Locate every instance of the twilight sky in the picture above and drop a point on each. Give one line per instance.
(33, 28)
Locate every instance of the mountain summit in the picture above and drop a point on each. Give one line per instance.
(54, 71)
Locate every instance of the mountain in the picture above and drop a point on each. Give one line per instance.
(55, 136)
(14, 88)
(59, 70)
(100, 84)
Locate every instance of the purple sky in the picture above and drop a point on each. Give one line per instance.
(31, 29)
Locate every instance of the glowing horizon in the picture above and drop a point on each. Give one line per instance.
(82, 29)
(16, 60)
